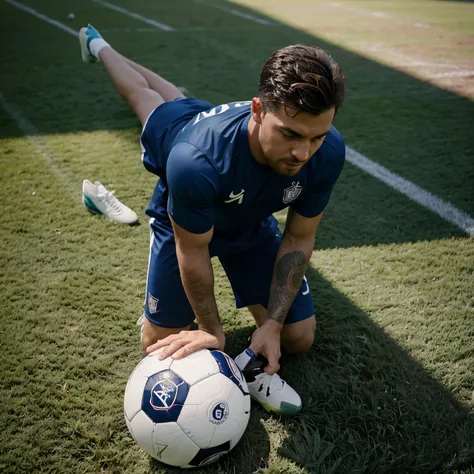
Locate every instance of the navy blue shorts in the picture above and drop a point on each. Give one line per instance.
(249, 271)
(162, 126)
(248, 258)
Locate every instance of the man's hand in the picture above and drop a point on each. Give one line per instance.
(182, 344)
(266, 341)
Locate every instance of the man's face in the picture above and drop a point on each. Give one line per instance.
(289, 142)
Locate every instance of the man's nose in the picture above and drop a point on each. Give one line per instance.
(301, 151)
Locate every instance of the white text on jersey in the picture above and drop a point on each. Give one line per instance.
(220, 109)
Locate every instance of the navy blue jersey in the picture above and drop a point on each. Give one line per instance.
(209, 177)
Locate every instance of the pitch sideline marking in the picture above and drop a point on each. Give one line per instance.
(233, 11)
(444, 209)
(149, 21)
(43, 17)
(440, 75)
(38, 143)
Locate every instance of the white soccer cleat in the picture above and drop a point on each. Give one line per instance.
(271, 391)
(86, 35)
(100, 201)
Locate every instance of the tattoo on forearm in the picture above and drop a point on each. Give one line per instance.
(203, 302)
(289, 273)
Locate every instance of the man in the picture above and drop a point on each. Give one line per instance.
(223, 172)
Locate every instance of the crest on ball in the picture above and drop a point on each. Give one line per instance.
(219, 412)
(163, 394)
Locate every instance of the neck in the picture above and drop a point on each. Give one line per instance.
(254, 144)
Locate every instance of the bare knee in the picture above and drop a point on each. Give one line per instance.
(153, 333)
(300, 345)
(299, 337)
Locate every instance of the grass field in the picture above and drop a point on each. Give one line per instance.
(388, 386)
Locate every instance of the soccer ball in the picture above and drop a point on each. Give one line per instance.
(187, 412)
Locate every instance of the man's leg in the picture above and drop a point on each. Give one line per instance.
(153, 333)
(142, 89)
(130, 84)
(296, 337)
(167, 309)
(166, 89)
(250, 275)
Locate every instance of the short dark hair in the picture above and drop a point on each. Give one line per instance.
(304, 78)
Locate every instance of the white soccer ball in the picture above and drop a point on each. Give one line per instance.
(187, 412)
(71, 16)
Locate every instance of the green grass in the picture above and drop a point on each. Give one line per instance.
(388, 385)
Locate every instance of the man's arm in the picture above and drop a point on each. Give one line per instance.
(198, 277)
(198, 281)
(193, 185)
(292, 259)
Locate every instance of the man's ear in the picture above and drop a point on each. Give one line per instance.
(257, 110)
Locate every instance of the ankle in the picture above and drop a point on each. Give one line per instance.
(96, 45)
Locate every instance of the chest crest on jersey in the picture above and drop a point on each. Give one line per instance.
(291, 193)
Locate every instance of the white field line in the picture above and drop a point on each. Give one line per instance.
(452, 74)
(404, 60)
(149, 21)
(43, 17)
(217, 45)
(444, 209)
(386, 16)
(235, 12)
(39, 145)
(360, 10)
(203, 29)
(422, 25)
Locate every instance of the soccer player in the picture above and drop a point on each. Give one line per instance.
(223, 172)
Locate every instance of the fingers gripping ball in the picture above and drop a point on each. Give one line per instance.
(187, 412)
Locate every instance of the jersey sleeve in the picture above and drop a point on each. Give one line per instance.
(315, 200)
(193, 185)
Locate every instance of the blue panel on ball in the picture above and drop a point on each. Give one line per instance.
(229, 368)
(164, 396)
(207, 455)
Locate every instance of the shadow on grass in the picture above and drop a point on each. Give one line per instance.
(369, 407)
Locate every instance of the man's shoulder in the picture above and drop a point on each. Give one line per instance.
(216, 133)
(218, 122)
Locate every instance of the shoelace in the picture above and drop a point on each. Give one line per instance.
(110, 199)
(270, 383)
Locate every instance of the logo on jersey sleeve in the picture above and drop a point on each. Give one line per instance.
(236, 197)
(291, 193)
